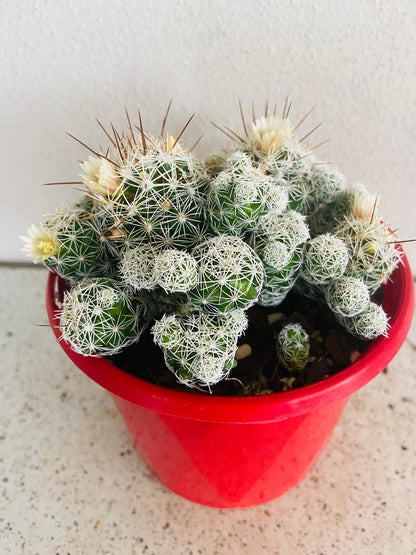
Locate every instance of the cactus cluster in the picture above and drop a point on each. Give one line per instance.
(164, 241)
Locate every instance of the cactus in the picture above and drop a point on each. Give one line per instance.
(230, 275)
(325, 259)
(137, 267)
(69, 243)
(373, 256)
(176, 271)
(292, 347)
(199, 348)
(347, 296)
(160, 197)
(369, 324)
(161, 237)
(357, 203)
(100, 317)
(279, 245)
(240, 195)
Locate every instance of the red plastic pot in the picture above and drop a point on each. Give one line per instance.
(232, 451)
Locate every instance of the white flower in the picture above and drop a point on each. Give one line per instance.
(41, 243)
(100, 176)
(272, 133)
(364, 205)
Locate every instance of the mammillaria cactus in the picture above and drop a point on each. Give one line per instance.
(200, 348)
(347, 296)
(101, 317)
(325, 259)
(162, 239)
(241, 195)
(370, 323)
(69, 242)
(230, 275)
(293, 347)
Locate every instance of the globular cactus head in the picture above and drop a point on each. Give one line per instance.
(327, 182)
(369, 324)
(137, 267)
(241, 195)
(356, 203)
(292, 347)
(199, 348)
(176, 271)
(347, 296)
(290, 228)
(230, 275)
(160, 197)
(325, 259)
(99, 317)
(373, 254)
(68, 241)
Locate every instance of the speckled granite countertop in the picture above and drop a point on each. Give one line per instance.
(71, 483)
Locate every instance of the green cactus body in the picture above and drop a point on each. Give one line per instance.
(292, 347)
(160, 201)
(230, 275)
(355, 203)
(369, 324)
(325, 259)
(281, 263)
(137, 267)
(100, 317)
(347, 296)
(176, 271)
(240, 195)
(81, 253)
(199, 348)
(326, 184)
(373, 255)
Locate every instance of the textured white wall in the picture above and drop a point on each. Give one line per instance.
(65, 63)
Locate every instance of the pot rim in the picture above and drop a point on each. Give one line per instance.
(398, 302)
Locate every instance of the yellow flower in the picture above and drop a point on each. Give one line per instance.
(270, 134)
(100, 176)
(41, 243)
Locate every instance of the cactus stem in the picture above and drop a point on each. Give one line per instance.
(183, 131)
(310, 132)
(165, 118)
(93, 151)
(242, 117)
(303, 119)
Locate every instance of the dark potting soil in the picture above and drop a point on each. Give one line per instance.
(331, 350)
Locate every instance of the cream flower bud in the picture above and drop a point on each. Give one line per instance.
(100, 176)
